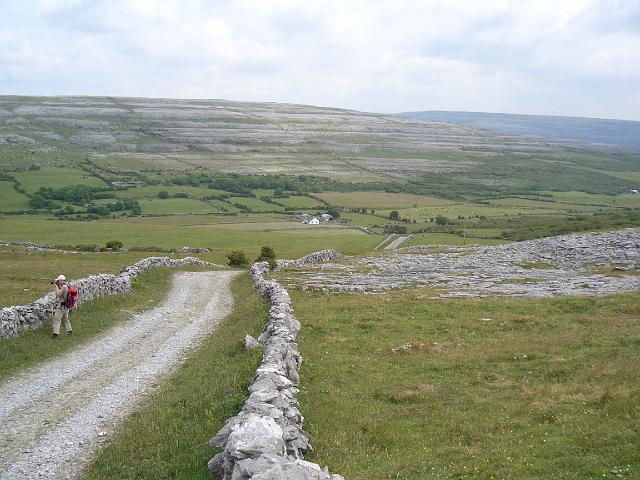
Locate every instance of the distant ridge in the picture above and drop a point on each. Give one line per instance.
(594, 131)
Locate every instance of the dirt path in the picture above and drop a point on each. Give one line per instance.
(54, 416)
(397, 242)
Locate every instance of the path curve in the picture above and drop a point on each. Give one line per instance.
(54, 416)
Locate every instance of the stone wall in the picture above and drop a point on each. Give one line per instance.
(312, 258)
(265, 441)
(35, 246)
(17, 319)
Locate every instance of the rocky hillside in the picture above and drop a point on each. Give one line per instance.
(150, 138)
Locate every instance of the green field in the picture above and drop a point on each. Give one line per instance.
(544, 389)
(153, 190)
(10, 199)
(256, 205)
(380, 200)
(175, 206)
(219, 233)
(26, 273)
(55, 177)
(581, 198)
(301, 202)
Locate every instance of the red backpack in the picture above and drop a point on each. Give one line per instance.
(71, 298)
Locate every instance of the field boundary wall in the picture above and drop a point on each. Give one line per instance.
(15, 320)
(266, 441)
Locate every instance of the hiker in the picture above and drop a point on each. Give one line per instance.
(61, 311)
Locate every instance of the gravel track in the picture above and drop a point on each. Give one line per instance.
(397, 242)
(54, 416)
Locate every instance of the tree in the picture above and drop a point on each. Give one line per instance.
(163, 194)
(267, 255)
(38, 201)
(442, 220)
(394, 215)
(334, 212)
(237, 258)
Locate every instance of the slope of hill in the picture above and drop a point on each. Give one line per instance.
(104, 158)
(594, 131)
(149, 139)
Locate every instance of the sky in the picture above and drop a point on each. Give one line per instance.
(546, 57)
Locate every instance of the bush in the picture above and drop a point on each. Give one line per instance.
(442, 220)
(163, 194)
(87, 248)
(267, 255)
(115, 245)
(394, 215)
(334, 212)
(237, 258)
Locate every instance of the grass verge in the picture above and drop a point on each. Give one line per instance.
(167, 437)
(398, 386)
(87, 321)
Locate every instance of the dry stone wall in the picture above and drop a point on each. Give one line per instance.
(17, 319)
(313, 258)
(35, 246)
(266, 441)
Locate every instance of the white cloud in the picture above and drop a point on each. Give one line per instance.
(574, 57)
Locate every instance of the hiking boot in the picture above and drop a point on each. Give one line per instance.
(54, 336)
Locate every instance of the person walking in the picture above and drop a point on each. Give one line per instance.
(61, 312)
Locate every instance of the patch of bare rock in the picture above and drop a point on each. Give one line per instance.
(581, 264)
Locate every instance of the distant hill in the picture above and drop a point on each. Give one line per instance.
(594, 131)
(152, 141)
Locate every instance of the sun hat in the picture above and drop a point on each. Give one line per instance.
(60, 277)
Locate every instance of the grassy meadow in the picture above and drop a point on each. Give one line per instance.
(56, 177)
(11, 199)
(219, 233)
(533, 389)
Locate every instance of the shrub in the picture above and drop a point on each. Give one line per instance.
(163, 194)
(237, 258)
(267, 255)
(442, 220)
(394, 215)
(87, 248)
(115, 245)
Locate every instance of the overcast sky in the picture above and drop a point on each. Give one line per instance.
(559, 57)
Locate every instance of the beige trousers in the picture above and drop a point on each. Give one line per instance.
(60, 314)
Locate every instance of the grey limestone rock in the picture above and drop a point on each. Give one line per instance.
(266, 439)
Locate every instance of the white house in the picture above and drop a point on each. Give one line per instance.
(312, 221)
(325, 217)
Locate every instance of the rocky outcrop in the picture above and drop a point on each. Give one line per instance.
(311, 259)
(265, 441)
(584, 264)
(17, 319)
(195, 250)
